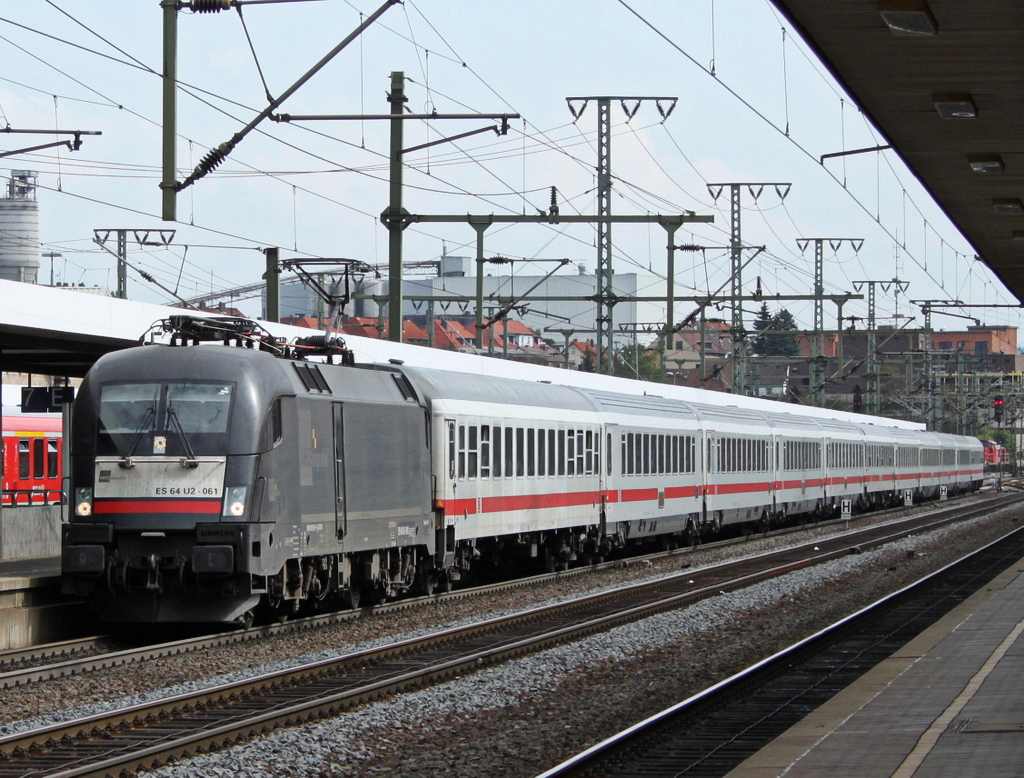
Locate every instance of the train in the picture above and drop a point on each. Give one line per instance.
(33, 446)
(994, 456)
(219, 474)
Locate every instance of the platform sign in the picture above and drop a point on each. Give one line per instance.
(46, 399)
(846, 509)
(908, 497)
(943, 492)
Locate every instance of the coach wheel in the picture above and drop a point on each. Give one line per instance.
(550, 560)
(445, 581)
(692, 534)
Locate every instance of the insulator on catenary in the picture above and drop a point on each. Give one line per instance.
(213, 159)
(208, 6)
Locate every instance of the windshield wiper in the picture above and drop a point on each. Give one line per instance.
(175, 423)
(126, 460)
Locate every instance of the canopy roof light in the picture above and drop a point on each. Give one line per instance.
(986, 164)
(908, 17)
(955, 105)
(1008, 205)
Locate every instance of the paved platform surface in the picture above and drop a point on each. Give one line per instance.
(949, 704)
(41, 567)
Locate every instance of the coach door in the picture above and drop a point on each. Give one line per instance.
(340, 514)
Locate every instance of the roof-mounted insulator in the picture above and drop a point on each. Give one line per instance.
(209, 6)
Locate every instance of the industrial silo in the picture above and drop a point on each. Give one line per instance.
(19, 228)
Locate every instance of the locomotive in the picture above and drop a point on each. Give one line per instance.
(226, 474)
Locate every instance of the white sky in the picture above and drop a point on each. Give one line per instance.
(317, 190)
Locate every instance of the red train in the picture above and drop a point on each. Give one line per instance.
(32, 452)
(994, 455)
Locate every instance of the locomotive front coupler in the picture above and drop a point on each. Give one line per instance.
(153, 578)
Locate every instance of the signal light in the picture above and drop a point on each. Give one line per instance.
(858, 400)
(997, 408)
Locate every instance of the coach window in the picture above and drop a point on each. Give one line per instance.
(561, 451)
(589, 448)
(520, 452)
(451, 449)
(52, 459)
(531, 451)
(541, 455)
(608, 455)
(552, 453)
(496, 436)
(472, 452)
(485, 451)
(23, 459)
(462, 451)
(570, 452)
(510, 452)
(38, 459)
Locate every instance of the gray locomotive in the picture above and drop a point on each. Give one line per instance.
(212, 481)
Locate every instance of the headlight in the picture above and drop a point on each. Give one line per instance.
(234, 501)
(83, 502)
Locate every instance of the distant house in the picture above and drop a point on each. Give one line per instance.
(579, 352)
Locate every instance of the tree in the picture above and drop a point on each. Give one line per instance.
(776, 334)
(638, 361)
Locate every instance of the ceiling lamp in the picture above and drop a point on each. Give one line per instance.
(986, 164)
(908, 17)
(1008, 205)
(955, 105)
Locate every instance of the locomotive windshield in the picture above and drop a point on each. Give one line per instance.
(173, 419)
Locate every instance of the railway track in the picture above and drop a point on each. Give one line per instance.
(67, 658)
(712, 732)
(154, 733)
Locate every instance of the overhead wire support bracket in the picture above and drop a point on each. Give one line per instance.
(217, 155)
(498, 130)
(100, 238)
(73, 145)
(851, 152)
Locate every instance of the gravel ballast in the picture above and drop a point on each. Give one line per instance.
(522, 717)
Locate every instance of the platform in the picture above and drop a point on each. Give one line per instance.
(39, 567)
(949, 703)
(31, 608)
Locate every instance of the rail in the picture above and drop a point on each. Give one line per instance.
(151, 733)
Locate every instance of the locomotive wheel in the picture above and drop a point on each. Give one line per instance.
(352, 597)
(374, 593)
(427, 579)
